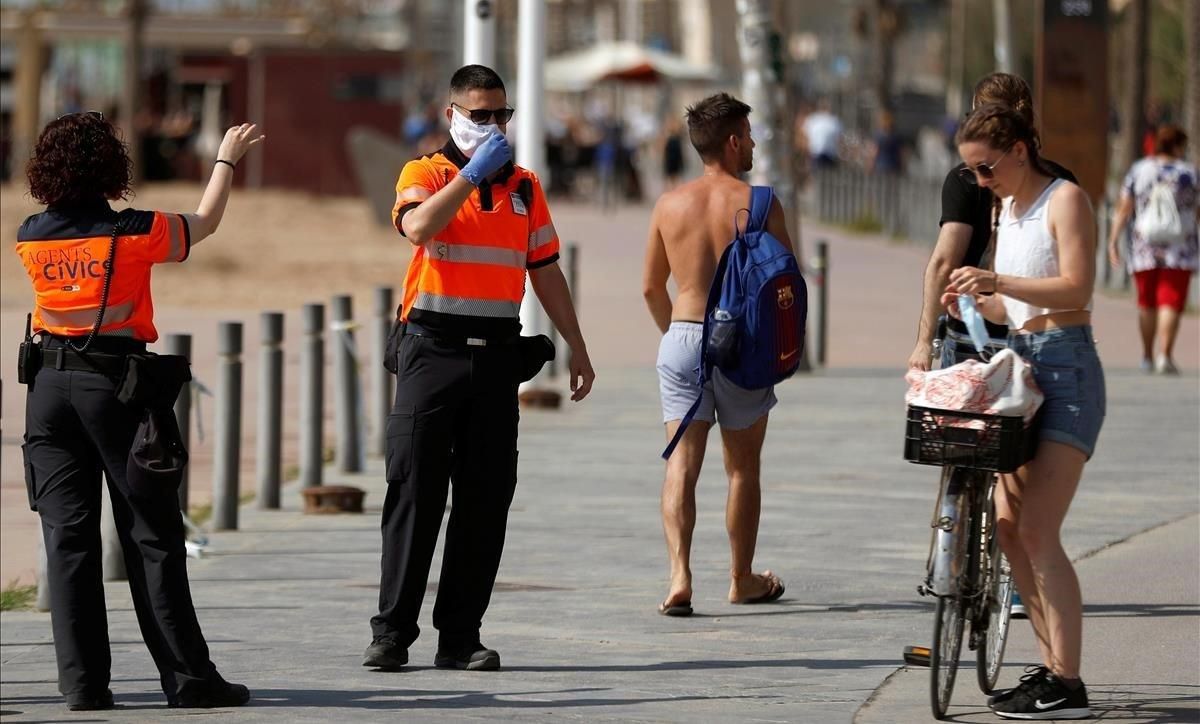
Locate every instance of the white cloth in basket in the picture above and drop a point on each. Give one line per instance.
(1004, 385)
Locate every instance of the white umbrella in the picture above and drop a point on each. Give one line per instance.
(621, 60)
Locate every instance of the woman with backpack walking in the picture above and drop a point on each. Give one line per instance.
(1160, 196)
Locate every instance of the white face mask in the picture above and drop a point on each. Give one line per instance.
(467, 134)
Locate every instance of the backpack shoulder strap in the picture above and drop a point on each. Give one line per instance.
(714, 298)
(761, 198)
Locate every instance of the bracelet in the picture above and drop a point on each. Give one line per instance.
(230, 164)
(995, 282)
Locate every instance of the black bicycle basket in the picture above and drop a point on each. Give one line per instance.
(968, 439)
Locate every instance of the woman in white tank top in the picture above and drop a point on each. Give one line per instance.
(1041, 286)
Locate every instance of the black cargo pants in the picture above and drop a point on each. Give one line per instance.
(455, 418)
(75, 429)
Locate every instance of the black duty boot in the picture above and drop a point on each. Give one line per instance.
(210, 695)
(475, 657)
(90, 701)
(383, 653)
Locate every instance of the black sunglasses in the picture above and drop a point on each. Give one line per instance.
(985, 170)
(91, 114)
(483, 115)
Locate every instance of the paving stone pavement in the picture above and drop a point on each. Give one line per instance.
(285, 600)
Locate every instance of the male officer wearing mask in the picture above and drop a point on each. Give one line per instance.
(477, 223)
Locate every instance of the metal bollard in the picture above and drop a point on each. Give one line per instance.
(347, 394)
(181, 344)
(312, 396)
(112, 556)
(270, 411)
(228, 426)
(381, 380)
(821, 266)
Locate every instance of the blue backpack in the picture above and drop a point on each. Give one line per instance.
(756, 312)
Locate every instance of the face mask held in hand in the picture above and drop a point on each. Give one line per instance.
(974, 321)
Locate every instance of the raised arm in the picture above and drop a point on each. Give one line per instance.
(426, 220)
(208, 214)
(655, 272)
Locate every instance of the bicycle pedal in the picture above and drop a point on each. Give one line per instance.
(916, 655)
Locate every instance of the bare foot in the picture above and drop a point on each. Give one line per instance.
(680, 595)
(755, 588)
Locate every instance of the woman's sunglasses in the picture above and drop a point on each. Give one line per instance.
(985, 170)
(482, 115)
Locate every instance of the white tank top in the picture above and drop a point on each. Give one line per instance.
(1025, 248)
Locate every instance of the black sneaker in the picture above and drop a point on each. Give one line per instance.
(212, 695)
(1033, 674)
(470, 658)
(383, 653)
(84, 701)
(1048, 698)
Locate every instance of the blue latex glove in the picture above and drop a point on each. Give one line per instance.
(488, 159)
(974, 321)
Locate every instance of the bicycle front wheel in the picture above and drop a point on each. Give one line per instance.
(989, 656)
(943, 654)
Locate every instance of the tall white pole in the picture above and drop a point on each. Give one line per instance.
(531, 59)
(530, 105)
(479, 32)
(1002, 15)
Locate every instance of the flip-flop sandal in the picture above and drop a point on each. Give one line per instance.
(772, 594)
(683, 608)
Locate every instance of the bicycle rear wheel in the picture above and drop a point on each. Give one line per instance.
(944, 653)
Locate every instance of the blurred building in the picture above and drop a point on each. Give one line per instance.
(309, 70)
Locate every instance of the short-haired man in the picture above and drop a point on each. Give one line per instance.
(477, 223)
(689, 229)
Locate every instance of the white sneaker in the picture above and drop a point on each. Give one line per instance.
(1147, 365)
(1165, 366)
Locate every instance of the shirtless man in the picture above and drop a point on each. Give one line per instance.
(690, 228)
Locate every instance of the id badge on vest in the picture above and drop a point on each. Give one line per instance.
(518, 204)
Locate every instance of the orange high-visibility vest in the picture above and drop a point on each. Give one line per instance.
(470, 280)
(63, 251)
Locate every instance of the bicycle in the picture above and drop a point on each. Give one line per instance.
(965, 570)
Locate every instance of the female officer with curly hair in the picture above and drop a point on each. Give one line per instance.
(90, 270)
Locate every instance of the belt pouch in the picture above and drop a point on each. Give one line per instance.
(533, 353)
(152, 380)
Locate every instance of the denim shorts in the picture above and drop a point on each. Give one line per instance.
(1067, 369)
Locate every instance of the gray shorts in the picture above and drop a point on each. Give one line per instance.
(678, 372)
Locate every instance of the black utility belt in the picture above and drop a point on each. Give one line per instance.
(460, 340)
(62, 358)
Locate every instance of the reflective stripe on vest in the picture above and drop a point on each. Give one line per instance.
(474, 254)
(467, 307)
(86, 317)
(412, 194)
(542, 236)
